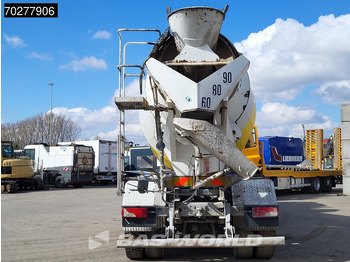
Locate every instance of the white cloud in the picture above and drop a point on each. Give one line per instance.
(90, 121)
(43, 57)
(86, 118)
(287, 56)
(14, 41)
(103, 122)
(335, 92)
(85, 64)
(109, 135)
(132, 89)
(285, 120)
(102, 34)
(133, 133)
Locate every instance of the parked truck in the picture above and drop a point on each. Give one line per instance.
(105, 168)
(291, 165)
(17, 172)
(62, 165)
(197, 112)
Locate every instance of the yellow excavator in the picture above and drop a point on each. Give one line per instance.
(17, 172)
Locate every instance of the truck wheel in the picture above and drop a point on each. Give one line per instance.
(327, 184)
(244, 252)
(265, 252)
(315, 185)
(155, 252)
(134, 253)
(58, 180)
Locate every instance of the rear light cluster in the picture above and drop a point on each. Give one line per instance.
(265, 212)
(134, 212)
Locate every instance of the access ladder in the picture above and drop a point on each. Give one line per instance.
(127, 103)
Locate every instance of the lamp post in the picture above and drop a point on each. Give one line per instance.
(50, 124)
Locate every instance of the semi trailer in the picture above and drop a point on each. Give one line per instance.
(62, 165)
(197, 112)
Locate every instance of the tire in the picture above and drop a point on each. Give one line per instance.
(265, 252)
(327, 184)
(244, 252)
(58, 180)
(134, 253)
(316, 186)
(155, 252)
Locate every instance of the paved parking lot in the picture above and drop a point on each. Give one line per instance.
(83, 224)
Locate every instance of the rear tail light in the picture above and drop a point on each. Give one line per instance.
(265, 212)
(134, 212)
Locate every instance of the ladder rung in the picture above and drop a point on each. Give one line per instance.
(133, 75)
(135, 66)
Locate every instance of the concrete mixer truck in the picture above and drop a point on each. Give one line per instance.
(197, 112)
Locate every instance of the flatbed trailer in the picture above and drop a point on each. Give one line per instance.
(295, 177)
(315, 181)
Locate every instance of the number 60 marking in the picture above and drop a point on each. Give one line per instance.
(206, 102)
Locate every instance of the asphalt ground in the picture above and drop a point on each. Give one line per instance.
(83, 224)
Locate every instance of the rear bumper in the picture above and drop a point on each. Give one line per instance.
(201, 242)
(82, 177)
(104, 178)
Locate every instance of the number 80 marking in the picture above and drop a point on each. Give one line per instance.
(216, 90)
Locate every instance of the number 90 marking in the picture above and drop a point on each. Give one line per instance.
(227, 77)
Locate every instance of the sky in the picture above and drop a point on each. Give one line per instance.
(299, 54)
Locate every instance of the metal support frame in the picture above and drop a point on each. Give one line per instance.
(337, 164)
(170, 230)
(314, 147)
(229, 230)
(122, 66)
